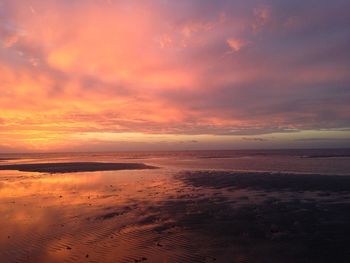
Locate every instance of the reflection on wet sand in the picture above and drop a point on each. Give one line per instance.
(170, 216)
(77, 217)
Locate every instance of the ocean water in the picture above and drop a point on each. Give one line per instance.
(257, 206)
(321, 161)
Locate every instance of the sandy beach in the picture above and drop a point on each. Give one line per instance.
(126, 212)
(73, 167)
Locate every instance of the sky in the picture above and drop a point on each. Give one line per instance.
(109, 75)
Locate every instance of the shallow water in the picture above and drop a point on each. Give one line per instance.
(190, 210)
(323, 161)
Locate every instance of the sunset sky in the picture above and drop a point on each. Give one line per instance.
(105, 75)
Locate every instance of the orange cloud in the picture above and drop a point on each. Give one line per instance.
(72, 69)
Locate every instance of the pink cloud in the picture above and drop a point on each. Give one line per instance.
(236, 44)
(120, 66)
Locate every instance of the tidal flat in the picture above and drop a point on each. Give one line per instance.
(171, 215)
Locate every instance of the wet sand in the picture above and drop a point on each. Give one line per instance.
(167, 215)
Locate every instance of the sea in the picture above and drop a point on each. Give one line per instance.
(321, 161)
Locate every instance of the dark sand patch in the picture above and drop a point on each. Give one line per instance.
(282, 231)
(73, 167)
(113, 214)
(327, 156)
(266, 181)
(298, 229)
